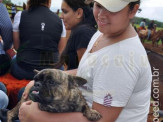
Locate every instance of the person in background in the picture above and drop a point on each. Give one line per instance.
(150, 29)
(6, 35)
(37, 36)
(115, 66)
(77, 17)
(13, 11)
(24, 6)
(5, 45)
(142, 24)
(7, 40)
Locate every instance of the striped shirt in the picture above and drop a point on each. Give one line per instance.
(5, 29)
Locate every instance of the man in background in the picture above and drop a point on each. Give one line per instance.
(6, 39)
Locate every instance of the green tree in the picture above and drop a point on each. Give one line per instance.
(7, 2)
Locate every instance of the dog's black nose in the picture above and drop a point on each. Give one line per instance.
(37, 84)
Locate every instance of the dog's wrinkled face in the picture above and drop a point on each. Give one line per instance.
(53, 85)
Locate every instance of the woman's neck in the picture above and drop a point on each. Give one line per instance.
(45, 4)
(127, 33)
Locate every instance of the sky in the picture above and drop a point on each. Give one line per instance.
(152, 9)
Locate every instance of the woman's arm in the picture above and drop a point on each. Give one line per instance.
(29, 112)
(16, 40)
(80, 53)
(71, 72)
(62, 44)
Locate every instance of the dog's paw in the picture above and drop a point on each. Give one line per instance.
(93, 115)
(3, 115)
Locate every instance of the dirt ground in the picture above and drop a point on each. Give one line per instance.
(158, 49)
(155, 55)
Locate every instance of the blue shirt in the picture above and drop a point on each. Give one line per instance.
(5, 29)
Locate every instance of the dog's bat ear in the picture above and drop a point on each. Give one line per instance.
(80, 81)
(75, 81)
(35, 71)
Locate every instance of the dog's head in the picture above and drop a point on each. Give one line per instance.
(52, 85)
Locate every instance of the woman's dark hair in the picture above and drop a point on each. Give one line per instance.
(35, 3)
(24, 6)
(88, 17)
(132, 4)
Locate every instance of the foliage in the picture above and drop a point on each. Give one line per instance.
(7, 2)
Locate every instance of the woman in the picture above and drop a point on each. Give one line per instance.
(37, 36)
(115, 66)
(77, 17)
(6, 36)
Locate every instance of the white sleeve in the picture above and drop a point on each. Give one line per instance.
(113, 84)
(63, 30)
(16, 21)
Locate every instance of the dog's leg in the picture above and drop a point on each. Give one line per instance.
(91, 114)
(13, 114)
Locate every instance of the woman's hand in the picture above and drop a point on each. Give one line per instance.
(27, 111)
(71, 72)
(27, 88)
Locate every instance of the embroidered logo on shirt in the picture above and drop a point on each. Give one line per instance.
(107, 100)
(42, 26)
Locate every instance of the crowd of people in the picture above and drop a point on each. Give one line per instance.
(108, 57)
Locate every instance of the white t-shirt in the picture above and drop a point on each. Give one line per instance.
(118, 75)
(17, 22)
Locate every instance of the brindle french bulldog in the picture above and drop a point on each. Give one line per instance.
(57, 92)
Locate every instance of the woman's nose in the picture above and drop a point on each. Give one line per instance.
(102, 11)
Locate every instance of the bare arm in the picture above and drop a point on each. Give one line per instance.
(71, 72)
(16, 40)
(29, 112)
(80, 53)
(62, 44)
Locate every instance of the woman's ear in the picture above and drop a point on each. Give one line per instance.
(133, 12)
(79, 13)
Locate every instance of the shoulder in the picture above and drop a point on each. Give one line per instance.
(132, 44)
(84, 28)
(2, 8)
(1, 5)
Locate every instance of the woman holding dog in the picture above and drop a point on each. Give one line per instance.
(115, 66)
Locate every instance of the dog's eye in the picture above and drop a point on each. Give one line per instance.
(51, 82)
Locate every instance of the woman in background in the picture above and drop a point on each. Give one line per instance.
(77, 17)
(37, 33)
